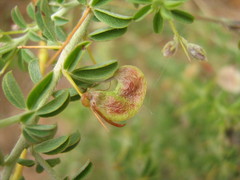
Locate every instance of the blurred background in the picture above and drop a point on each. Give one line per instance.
(188, 127)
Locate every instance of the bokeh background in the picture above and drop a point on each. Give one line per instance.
(188, 127)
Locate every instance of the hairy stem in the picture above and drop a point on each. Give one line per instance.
(68, 47)
(45, 165)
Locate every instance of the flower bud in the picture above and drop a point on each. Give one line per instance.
(196, 51)
(170, 48)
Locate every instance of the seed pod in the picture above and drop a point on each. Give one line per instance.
(124, 101)
(196, 51)
(170, 48)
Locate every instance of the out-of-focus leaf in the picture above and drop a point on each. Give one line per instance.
(60, 21)
(157, 23)
(182, 16)
(96, 73)
(27, 55)
(143, 12)
(112, 19)
(141, 1)
(34, 71)
(43, 19)
(12, 91)
(34, 36)
(84, 171)
(18, 18)
(55, 106)
(166, 14)
(96, 3)
(37, 93)
(173, 3)
(61, 35)
(30, 10)
(108, 33)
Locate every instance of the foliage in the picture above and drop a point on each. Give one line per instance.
(49, 20)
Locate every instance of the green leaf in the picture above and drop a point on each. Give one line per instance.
(61, 35)
(12, 91)
(34, 36)
(166, 14)
(38, 133)
(51, 162)
(75, 56)
(43, 19)
(72, 93)
(96, 3)
(18, 18)
(171, 4)
(96, 73)
(108, 33)
(55, 106)
(182, 16)
(112, 19)
(6, 59)
(34, 71)
(26, 162)
(83, 2)
(39, 91)
(74, 139)
(157, 23)
(52, 146)
(143, 12)
(27, 55)
(60, 21)
(84, 171)
(141, 1)
(30, 10)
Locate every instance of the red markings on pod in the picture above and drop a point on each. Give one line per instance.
(121, 103)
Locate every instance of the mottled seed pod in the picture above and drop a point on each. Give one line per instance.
(170, 48)
(196, 51)
(124, 101)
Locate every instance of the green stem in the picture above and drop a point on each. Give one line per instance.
(10, 120)
(45, 165)
(22, 144)
(14, 32)
(180, 39)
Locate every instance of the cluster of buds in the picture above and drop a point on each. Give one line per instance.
(196, 51)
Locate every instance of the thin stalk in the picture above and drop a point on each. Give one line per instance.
(13, 32)
(70, 80)
(39, 47)
(45, 165)
(84, 16)
(179, 39)
(76, 38)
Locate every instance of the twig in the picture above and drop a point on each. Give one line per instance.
(39, 47)
(86, 12)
